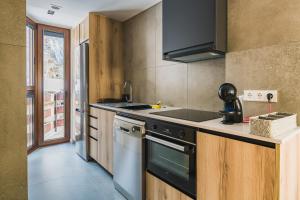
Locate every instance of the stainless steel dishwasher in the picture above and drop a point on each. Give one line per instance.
(128, 166)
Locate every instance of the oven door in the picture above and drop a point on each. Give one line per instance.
(172, 161)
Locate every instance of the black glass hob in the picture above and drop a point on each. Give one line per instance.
(189, 114)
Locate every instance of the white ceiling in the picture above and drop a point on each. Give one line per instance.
(74, 11)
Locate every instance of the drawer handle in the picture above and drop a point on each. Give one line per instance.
(93, 138)
(93, 127)
(93, 117)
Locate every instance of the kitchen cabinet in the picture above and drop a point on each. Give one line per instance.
(84, 30)
(105, 70)
(75, 36)
(93, 146)
(93, 133)
(229, 169)
(105, 139)
(101, 129)
(159, 190)
(106, 73)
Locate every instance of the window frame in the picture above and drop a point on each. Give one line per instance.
(40, 98)
(31, 91)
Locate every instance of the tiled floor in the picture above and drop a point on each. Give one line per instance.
(57, 173)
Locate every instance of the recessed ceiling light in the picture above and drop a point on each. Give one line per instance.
(55, 7)
(51, 12)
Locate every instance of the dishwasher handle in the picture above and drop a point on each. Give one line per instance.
(166, 143)
(124, 129)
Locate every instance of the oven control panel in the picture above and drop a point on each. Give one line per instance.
(169, 129)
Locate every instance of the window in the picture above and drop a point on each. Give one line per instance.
(30, 121)
(30, 83)
(30, 56)
(54, 85)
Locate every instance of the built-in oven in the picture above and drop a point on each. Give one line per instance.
(171, 154)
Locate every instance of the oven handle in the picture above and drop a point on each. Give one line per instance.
(166, 143)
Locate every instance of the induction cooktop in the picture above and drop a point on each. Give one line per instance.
(189, 114)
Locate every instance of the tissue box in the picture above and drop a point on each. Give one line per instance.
(272, 124)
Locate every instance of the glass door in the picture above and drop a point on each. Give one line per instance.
(54, 75)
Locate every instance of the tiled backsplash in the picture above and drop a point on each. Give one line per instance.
(263, 53)
(192, 85)
(275, 67)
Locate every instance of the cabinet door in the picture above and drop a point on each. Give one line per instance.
(84, 30)
(105, 154)
(105, 58)
(93, 148)
(228, 169)
(159, 190)
(75, 36)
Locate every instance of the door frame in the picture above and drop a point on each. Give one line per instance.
(40, 83)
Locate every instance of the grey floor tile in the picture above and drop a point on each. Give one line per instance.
(57, 173)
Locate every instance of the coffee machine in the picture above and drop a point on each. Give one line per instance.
(233, 112)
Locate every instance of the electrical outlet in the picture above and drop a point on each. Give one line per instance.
(260, 95)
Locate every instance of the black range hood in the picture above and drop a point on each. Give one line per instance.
(194, 30)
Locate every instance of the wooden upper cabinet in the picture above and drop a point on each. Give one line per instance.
(105, 139)
(106, 70)
(75, 36)
(106, 73)
(228, 169)
(84, 30)
(159, 190)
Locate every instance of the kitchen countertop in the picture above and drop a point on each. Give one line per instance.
(241, 129)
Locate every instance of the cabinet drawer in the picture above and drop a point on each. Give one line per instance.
(94, 133)
(94, 122)
(94, 112)
(93, 148)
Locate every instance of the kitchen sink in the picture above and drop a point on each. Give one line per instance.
(129, 106)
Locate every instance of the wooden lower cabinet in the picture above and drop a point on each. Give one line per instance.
(159, 190)
(101, 129)
(93, 148)
(228, 169)
(105, 139)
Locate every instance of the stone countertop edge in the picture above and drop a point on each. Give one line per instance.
(241, 129)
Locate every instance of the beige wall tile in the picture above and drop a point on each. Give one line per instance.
(143, 82)
(13, 165)
(164, 80)
(13, 22)
(171, 85)
(204, 79)
(264, 53)
(140, 40)
(253, 24)
(128, 44)
(273, 67)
